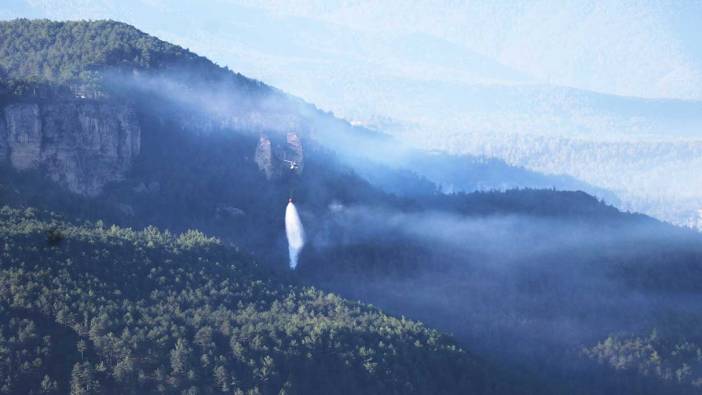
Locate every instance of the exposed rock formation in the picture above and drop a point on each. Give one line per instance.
(4, 151)
(293, 151)
(281, 157)
(23, 135)
(82, 145)
(264, 157)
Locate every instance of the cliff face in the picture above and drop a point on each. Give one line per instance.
(264, 157)
(23, 125)
(82, 145)
(4, 152)
(294, 153)
(275, 159)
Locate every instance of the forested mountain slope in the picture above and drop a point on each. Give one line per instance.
(90, 308)
(103, 58)
(79, 52)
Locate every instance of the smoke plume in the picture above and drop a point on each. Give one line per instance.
(295, 233)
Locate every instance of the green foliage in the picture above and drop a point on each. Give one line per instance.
(115, 310)
(667, 359)
(40, 58)
(70, 51)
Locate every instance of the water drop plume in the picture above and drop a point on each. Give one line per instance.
(295, 233)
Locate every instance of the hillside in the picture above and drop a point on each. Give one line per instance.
(533, 281)
(76, 53)
(96, 59)
(89, 306)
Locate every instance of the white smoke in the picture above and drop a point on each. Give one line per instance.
(295, 233)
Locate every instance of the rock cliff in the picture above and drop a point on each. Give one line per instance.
(3, 142)
(80, 144)
(279, 157)
(24, 138)
(294, 153)
(264, 157)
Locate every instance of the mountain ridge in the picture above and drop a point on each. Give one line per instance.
(93, 76)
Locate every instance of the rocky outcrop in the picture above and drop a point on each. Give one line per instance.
(4, 151)
(264, 157)
(280, 157)
(23, 135)
(82, 145)
(294, 153)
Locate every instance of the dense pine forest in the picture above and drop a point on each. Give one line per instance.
(90, 308)
(76, 53)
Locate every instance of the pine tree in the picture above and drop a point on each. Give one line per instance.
(81, 346)
(83, 380)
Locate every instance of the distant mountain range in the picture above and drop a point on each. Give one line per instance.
(646, 152)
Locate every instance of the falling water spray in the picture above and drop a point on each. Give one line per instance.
(295, 233)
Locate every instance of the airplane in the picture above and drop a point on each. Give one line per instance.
(293, 164)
